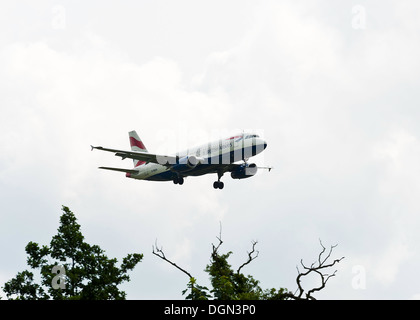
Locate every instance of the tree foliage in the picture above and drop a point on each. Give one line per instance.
(230, 284)
(70, 268)
(87, 273)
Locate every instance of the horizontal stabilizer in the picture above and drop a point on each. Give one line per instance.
(120, 170)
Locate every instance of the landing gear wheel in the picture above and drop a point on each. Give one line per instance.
(218, 185)
(178, 180)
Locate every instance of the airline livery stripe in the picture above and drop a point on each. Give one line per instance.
(136, 143)
(140, 163)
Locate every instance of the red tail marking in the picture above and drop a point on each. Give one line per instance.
(140, 163)
(136, 143)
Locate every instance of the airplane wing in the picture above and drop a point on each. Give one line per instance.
(143, 156)
(234, 166)
(120, 170)
(267, 168)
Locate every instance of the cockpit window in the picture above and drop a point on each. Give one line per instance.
(252, 136)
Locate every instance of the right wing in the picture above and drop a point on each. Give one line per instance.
(143, 156)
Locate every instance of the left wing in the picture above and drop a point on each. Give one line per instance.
(120, 170)
(143, 156)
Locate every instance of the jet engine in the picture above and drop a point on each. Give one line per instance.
(244, 171)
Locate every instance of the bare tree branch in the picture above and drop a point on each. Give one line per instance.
(316, 269)
(159, 253)
(215, 248)
(214, 253)
(251, 256)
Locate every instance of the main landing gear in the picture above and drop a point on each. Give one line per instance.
(178, 180)
(218, 184)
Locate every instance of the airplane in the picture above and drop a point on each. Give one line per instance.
(214, 157)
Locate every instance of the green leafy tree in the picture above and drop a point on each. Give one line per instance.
(70, 268)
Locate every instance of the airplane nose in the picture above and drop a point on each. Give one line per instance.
(259, 145)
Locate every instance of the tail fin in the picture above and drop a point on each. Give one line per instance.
(136, 145)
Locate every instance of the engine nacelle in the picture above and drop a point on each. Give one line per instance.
(186, 163)
(244, 171)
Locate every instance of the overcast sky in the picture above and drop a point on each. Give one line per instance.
(332, 87)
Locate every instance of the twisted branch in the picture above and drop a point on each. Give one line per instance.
(250, 256)
(316, 269)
